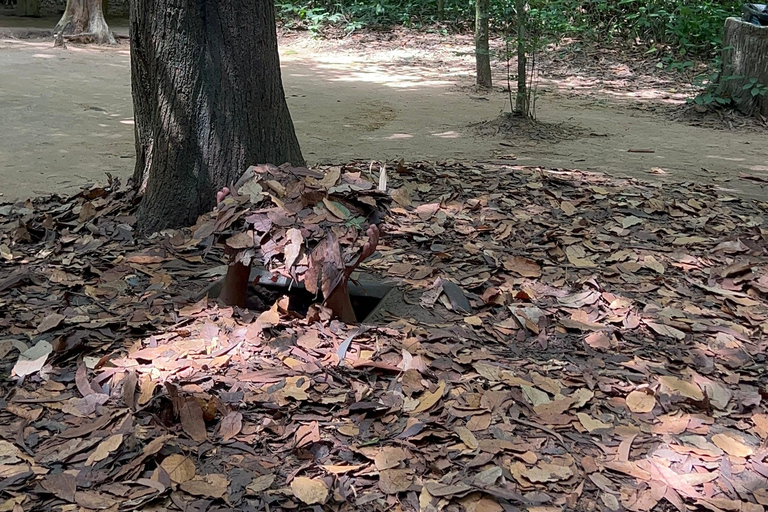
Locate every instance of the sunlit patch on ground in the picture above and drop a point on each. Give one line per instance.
(562, 338)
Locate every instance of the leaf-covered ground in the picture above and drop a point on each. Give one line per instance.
(612, 358)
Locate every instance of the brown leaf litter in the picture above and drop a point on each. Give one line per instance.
(594, 344)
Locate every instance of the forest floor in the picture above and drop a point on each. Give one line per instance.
(558, 339)
(561, 341)
(68, 115)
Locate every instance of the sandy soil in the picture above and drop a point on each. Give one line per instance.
(67, 114)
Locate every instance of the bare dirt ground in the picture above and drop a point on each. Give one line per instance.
(68, 120)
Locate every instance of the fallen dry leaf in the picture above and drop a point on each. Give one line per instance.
(309, 490)
(591, 424)
(191, 416)
(546, 472)
(260, 484)
(666, 330)
(393, 481)
(212, 485)
(681, 387)
(732, 445)
(33, 359)
(429, 399)
(467, 437)
(230, 425)
(640, 401)
(50, 322)
(522, 266)
(179, 467)
(389, 457)
(104, 449)
(341, 469)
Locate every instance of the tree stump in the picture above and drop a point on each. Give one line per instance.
(745, 57)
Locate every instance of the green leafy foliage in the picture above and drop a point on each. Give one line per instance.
(356, 14)
(755, 88)
(712, 96)
(684, 27)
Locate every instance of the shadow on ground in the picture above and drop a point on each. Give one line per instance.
(69, 115)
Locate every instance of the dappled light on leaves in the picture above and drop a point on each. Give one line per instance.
(559, 339)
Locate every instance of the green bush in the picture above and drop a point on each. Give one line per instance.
(377, 13)
(685, 27)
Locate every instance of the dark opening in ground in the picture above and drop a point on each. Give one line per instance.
(366, 292)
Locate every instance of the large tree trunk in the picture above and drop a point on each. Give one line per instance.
(482, 48)
(84, 19)
(28, 8)
(208, 102)
(745, 62)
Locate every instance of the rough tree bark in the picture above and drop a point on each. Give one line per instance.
(521, 99)
(208, 102)
(745, 56)
(482, 48)
(84, 19)
(28, 8)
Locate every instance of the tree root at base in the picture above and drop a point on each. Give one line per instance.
(84, 38)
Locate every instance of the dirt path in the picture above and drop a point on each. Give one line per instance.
(68, 117)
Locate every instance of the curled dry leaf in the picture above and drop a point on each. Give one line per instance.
(293, 247)
(429, 399)
(467, 437)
